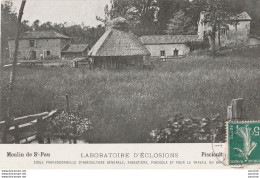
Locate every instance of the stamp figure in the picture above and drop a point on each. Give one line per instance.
(244, 143)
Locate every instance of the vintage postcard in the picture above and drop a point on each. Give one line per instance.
(119, 84)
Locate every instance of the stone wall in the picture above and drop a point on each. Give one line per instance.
(155, 50)
(231, 36)
(54, 46)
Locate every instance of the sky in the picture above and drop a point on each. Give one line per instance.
(60, 11)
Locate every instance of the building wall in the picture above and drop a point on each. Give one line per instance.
(155, 50)
(254, 41)
(41, 47)
(243, 32)
(232, 36)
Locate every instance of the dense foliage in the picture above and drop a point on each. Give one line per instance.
(68, 126)
(180, 24)
(144, 14)
(180, 129)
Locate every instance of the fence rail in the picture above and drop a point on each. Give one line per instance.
(27, 128)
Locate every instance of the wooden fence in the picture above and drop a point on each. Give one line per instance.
(27, 129)
(31, 128)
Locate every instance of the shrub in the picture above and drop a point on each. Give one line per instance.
(202, 45)
(190, 130)
(68, 126)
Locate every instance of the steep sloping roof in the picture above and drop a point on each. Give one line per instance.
(42, 35)
(168, 39)
(242, 16)
(118, 43)
(239, 17)
(74, 48)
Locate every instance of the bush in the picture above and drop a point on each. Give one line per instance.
(68, 126)
(190, 130)
(200, 45)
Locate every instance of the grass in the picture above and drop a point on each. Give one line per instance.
(125, 106)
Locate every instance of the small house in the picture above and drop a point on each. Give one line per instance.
(39, 44)
(237, 30)
(74, 51)
(168, 46)
(118, 48)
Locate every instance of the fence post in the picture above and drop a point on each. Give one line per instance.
(67, 103)
(74, 132)
(40, 130)
(235, 110)
(17, 134)
(229, 113)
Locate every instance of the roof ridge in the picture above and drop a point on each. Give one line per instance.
(106, 37)
(168, 35)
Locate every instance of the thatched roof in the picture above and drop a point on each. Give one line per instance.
(42, 35)
(75, 48)
(118, 43)
(168, 39)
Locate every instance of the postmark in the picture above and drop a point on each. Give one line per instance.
(243, 141)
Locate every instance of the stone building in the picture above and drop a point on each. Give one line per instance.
(168, 46)
(39, 44)
(237, 30)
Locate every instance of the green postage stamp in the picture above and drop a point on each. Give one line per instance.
(243, 143)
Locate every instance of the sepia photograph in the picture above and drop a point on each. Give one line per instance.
(131, 71)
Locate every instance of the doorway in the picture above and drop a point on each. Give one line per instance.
(33, 55)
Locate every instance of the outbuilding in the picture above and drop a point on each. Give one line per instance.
(168, 46)
(74, 51)
(118, 48)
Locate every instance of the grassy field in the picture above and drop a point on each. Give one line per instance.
(125, 106)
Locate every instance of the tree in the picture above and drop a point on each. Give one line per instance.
(166, 10)
(140, 14)
(8, 27)
(12, 76)
(36, 25)
(180, 24)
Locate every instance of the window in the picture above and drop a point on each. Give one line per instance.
(48, 53)
(19, 54)
(32, 43)
(162, 53)
(175, 52)
(223, 31)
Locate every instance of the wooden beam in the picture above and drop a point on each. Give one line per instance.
(25, 119)
(29, 139)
